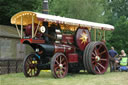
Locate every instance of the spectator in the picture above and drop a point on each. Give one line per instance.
(113, 54)
(123, 54)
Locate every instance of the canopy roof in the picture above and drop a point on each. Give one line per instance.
(27, 19)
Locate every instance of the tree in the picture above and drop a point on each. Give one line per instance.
(119, 37)
(10, 7)
(81, 9)
(114, 9)
(90, 10)
(116, 12)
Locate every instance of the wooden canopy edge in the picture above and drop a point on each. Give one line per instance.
(56, 19)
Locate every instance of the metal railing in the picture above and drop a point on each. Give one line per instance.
(10, 66)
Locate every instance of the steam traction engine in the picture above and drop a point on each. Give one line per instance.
(60, 44)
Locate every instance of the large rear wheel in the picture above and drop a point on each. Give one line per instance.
(96, 58)
(59, 65)
(30, 65)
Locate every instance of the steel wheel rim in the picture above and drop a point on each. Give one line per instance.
(30, 66)
(99, 59)
(60, 66)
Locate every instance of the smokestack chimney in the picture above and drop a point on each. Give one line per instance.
(45, 23)
(45, 6)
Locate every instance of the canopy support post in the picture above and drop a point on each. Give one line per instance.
(21, 26)
(17, 30)
(32, 26)
(94, 34)
(37, 28)
(103, 34)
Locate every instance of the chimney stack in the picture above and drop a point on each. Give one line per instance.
(45, 6)
(45, 11)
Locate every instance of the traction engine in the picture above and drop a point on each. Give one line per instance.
(57, 50)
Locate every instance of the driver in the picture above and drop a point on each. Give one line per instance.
(28, 31)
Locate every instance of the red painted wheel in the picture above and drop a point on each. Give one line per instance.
(30, 67)
(85, 59)
(96, 58)
(59, 65)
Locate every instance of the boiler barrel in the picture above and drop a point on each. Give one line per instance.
(48, 49)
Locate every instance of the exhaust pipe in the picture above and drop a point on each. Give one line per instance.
(45, 7)
(45, 11)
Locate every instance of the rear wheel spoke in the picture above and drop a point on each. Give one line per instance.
(96, 52)
(56, 68)
(101, 65)
(57, 62)
(103, 59)
(93, 62)
(64, 68)
(99, 47)
(98, 69)
(64, 63)
(92, 57)
(102, 52)
(61, 73)
(93, 53)
(60, 59)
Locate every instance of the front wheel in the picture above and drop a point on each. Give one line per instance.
(96, 58)
(59, 65)
(30, 66)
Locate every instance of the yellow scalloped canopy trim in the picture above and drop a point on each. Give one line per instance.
(26, 16)
(27, 19)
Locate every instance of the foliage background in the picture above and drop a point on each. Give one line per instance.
(112, 12)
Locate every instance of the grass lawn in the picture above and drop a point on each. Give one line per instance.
(45, 78)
